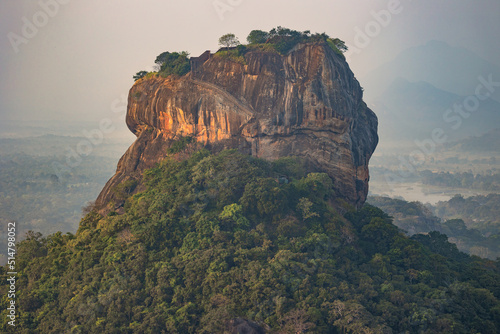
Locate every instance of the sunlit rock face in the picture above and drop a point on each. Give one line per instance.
(306, 103)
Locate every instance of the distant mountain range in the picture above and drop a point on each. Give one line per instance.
(411, 110)
(448, 68)
(412, 93)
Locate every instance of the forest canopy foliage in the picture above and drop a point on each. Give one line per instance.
(284, 39)
(215, 237)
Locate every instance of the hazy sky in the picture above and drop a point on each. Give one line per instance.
(83, 55)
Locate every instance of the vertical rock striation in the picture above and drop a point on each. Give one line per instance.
(306, 103)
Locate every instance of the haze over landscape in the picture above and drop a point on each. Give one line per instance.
(430, 72)
(81, 60)
(66, 71)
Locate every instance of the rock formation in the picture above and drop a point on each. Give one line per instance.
(306, 103)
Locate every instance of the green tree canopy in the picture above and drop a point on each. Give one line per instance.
(228, 40)
(339, 44)
(173, 63)
(140, 75)
(257, 36)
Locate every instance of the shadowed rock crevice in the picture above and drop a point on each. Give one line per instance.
(306, 103)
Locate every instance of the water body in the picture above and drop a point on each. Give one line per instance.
(416, 191)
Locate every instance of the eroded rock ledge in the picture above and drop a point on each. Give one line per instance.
(306, 103)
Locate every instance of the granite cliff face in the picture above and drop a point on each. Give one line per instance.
(306, 103)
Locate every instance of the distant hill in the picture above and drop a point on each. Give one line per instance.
(469, 223)
(411, 217)
(478, 212)
(411, 110)
(488, 142)
(449, 68)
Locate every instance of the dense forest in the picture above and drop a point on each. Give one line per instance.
(216, 237)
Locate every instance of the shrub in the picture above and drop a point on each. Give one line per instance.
(233, 55)
(228, 40)
(140, 75)
(173, 63)
(179, 145)
(124, 189)
(257, 37)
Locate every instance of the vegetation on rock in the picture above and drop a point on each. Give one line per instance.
(284, 39)
(140, 75)
(278, 39)
(213, 238)
(173, 63)
(228, 40)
